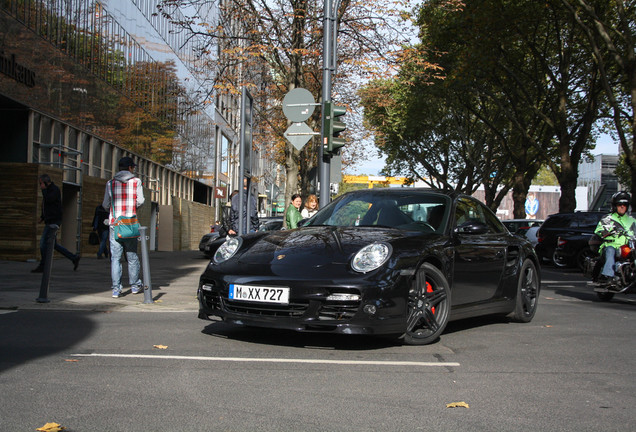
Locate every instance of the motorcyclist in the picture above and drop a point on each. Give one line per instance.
(615, 230)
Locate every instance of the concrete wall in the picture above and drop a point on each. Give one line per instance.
(191, 221)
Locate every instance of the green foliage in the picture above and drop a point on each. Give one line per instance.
(545, 177)
(348, 187)
(623, 171)
(517, 87)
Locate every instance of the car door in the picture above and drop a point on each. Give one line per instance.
(479, 257)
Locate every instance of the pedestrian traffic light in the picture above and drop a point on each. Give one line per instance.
(333, 127)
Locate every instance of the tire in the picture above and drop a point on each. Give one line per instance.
(582, 255)
(559, 260)
(605, 296)
(528, 287)
(428, 306)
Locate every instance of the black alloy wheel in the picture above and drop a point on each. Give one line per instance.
(559, 260)
(428, 306)
(528, 287)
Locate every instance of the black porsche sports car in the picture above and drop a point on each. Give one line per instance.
(377, 261)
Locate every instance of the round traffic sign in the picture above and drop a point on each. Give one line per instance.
(298, 105)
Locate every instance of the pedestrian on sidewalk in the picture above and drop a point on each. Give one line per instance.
(100, 225)
(123, 196)
(311, 207)
(292, 215)
(51, 215)
(250, 219)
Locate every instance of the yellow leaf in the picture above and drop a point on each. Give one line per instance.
(457, 405)
(160, 346)
(71, 360)
(51, 427)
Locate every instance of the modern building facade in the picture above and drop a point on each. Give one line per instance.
(599, 175)
(85, 82)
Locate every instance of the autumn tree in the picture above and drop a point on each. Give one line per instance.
(283, 38)
(148, 121)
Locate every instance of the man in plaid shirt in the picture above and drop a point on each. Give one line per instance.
(123, 195)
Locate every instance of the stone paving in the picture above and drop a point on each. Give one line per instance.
(174, 279)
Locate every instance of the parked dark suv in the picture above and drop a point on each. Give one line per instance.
(563, 237)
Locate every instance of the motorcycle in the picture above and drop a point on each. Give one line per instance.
(624, 281)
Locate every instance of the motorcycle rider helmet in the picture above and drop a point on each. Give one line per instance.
(620, 197)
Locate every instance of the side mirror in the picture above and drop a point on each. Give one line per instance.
(472, 227)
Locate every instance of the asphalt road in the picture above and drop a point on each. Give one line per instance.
(571, 369)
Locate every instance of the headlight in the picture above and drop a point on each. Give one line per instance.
(227, 249)
(371, 257)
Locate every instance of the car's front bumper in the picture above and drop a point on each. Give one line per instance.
(381, 308)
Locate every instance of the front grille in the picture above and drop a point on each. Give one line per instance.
(331, 311)
(292, 310)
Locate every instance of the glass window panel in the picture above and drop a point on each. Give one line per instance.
(86, 154)
(36, 126)
(45, 132)
(108, 160)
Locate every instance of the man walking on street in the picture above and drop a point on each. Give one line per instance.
(123, 195)
(51, 215)
(250, 219)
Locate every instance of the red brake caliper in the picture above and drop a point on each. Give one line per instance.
(429, 289)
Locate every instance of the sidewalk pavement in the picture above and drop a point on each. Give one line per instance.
(174, 279)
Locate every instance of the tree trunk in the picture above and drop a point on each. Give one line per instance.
(520, 187)
(567, 181)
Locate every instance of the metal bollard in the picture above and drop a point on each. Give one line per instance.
(47, 262)
(145, 262)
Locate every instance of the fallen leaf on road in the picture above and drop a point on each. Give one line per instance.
(158, 301)
(51, 427)
(160, 346)
(71, 360)
(548, 326)
(457, 405)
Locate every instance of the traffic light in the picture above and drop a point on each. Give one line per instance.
(333, 127)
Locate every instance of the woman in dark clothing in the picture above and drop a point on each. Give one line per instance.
(99, 225)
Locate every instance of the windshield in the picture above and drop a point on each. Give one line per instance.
(424, 211)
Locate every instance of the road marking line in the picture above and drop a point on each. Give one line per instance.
(561, 282)
(273, 360)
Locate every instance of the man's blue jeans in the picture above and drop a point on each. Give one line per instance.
(116, 251)
(609, 252)
(58, 247)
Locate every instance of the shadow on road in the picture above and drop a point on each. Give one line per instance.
(28, 335)
(290, 338)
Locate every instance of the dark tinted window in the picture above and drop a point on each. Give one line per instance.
(559, 221)
(472, 210)
(589, 220)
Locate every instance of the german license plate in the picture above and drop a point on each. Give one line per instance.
(259, 294)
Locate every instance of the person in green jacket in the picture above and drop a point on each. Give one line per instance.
(615, 230)
(292, 215)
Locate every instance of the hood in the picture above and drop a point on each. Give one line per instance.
(318, 246)
(123, 176)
